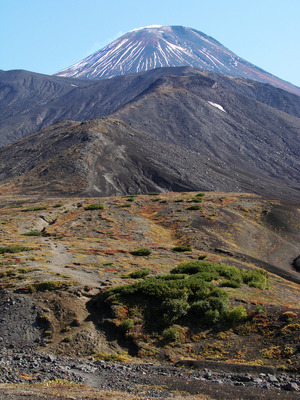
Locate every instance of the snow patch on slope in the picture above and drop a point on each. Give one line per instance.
(216, 105)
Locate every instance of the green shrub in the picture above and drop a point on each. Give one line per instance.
(141, 252)
(153, 193)
(13, 249)
(211, 317)
(194, 208)
(94, 206)
(32, 233)
(195, 200)
(202, 257)
(57, 205)
(171, 277)
(39, 208)
(126, 325)
(47, 285)
(189, 291)
(199, 308)
(180, 249)
(257, 278)
(236, 315)
(170, 335)
(142, 273)
(124, 205)
(230, 283)
(174, 309)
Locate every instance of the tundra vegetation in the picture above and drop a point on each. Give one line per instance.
(161, 280)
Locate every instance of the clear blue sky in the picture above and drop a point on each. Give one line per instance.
(48, 35)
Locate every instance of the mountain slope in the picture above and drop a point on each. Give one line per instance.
(167, 46)
(198, 114)
(30, 102)
(108, 157)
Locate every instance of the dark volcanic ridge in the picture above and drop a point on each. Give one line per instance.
(167, 129)
(168, 46)
(107, 157)
(30, 102)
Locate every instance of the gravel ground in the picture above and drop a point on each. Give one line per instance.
(156, 381)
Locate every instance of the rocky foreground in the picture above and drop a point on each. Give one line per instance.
(157, 381)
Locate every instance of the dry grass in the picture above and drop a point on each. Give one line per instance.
(67, 390)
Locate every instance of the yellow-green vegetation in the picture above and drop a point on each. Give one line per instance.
(180, 249)
(32, 233)
(190, 293)
(37, 208)
(13, 249)
(224, 308)
(141, 273)
(47, 285)
(141, 252)
(94, 206)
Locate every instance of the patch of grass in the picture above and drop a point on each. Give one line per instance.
(112, 357)
(142, 273)
(153, 193)
(193, 208)
(57, 205)
(38, 208)
(180, 249)
(94, 206)
(46, 286)
(32, 233)
(13, 249)
(124, 205)
(141, 252)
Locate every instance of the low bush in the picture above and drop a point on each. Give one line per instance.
(230, 283)
(141, 252)
(142, 273)
(236, 315)
(47, 285)
(13, 249)
(180, 249)
(170, 335)
(192, 208)
(189, 294)
(126, 325)
(195, 200)
(32, 233)
(38, 208)
(124, 205)
(94, 206)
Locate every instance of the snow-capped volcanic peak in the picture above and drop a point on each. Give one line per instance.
(165, 46)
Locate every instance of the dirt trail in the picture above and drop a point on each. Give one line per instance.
(60, 261)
